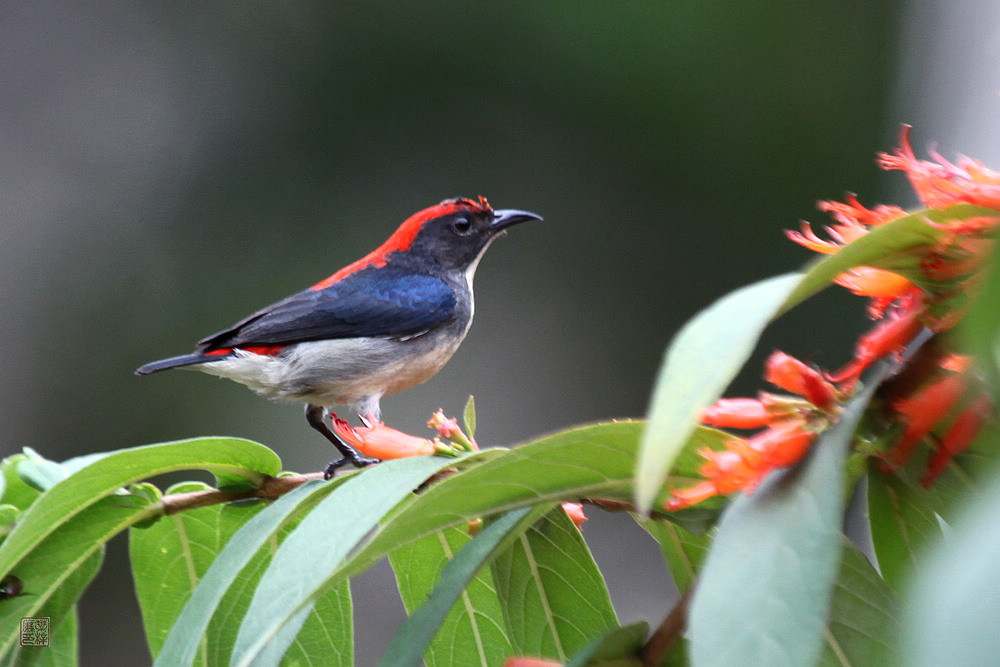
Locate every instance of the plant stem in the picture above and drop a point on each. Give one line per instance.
(670, 630)
(270, 488)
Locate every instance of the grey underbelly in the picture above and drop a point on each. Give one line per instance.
(340, 371)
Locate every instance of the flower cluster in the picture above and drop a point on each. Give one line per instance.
(926, 286)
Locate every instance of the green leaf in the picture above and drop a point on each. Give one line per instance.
(469, 417)
(902, 523)
(16, 492)
(966, 474)
(58, 604)
(63, 648)
(980, 328)
(864, 623)
(324, 538)
(57, 568)
(104, 475)
(327, 636)
(616, 648)
(764, 592)
(38, 472)
(553, 595)
(885, 246)
(587, 461)
(230, 566)
(683, 551)
(473, 631)
(170, 557)
(699, 364)
(952, 608)
(412, 639)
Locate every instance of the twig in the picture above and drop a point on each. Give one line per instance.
(622, 506)
(670, 630)
(269, 489)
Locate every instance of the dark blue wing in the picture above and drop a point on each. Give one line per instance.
(370, 302)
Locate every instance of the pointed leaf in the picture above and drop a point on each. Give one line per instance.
(58, 568)
(952, 609)
(171, 556)
(683, 551)
(700, 363)
(39, 472)
(473, 631)
(114, 470)
(764, 593)
(903, 523)
(616, 648)
(864, 621)
(553, 595)
(327, 636)
(64, 647)
(980, 328)
(469, 417)
(324, 538)
(594, 460)
(184, 639)
(16, 492)
(60, 608)
(412, 639)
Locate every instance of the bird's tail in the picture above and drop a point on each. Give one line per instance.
(174, 362)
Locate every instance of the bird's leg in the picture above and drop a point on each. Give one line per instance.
(315, 416)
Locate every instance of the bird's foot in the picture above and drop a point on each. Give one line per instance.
(357, 461)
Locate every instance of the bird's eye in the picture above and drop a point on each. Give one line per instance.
(462, 226)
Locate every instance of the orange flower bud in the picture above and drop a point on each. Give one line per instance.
(743, 413)
(792, 375)
(530, 662)
(879, 283)
(692, 495)
(575, 512)
(381, 441)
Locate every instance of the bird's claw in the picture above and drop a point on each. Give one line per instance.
(357, 461)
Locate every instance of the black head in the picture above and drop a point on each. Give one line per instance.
(456, 232)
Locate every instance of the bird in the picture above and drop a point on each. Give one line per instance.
(376, 327)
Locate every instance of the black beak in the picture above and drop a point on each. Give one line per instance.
(507, 217)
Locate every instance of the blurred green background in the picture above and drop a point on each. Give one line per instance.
(170, 167)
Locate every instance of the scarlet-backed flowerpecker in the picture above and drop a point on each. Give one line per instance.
(376, 327)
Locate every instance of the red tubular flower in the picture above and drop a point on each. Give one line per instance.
(950, 262)
(692, 495)
(921, 412)
(792, 375)
(888, 337)
(941, 184)
(744, 463)
(868, 281)
(745, 413)
(780, 446)
(961, 434)
(381, 441)
(727, 470)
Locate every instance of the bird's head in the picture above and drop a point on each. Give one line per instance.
(456, 232)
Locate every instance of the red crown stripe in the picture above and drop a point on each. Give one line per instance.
(402, 238)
